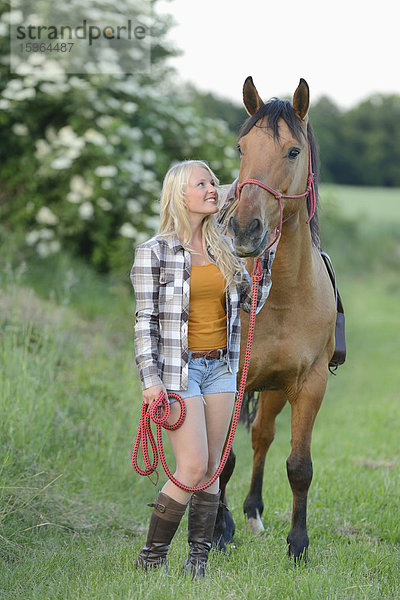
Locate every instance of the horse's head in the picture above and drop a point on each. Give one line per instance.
(274, 150)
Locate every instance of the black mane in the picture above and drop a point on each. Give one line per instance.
(272, 111)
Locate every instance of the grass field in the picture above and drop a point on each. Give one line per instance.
(377, 204)
(73, 513)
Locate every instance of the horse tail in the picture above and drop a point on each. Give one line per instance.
(249, 408)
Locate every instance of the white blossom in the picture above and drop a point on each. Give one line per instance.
(79, 188)
(54, 69)
(14, 17)
(104, 121)
(43, 249)
(51, 134)
(129, 107)
(114, 139)
(148, 175)
(67, 137)
(46, 216)
(61, 163)
(127, 230)
(78, 83)
(230, 152)
(88, 114)
(20, 129)
(46, 234)
(133, 206)
(104, 204)
(106, 184)
(149, 157)
(87, 190)
(22, 94)
(55, 246)
(32, 237)
(153, 222)
(74, 197)
(133, 133)
(54, 88)
(141, 237)
(77, 183)
(46, 248)
(94, 137)
(42, 148)
(106, 171)
(86, 211)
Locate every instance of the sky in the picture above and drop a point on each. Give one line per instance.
(346, 50)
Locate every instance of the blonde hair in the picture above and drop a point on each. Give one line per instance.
(174, 219)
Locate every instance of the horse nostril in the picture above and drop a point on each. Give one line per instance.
(233, 226)
(255, 227)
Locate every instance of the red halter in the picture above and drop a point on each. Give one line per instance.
(310, 191)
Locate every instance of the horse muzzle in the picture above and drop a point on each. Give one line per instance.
(250, 239)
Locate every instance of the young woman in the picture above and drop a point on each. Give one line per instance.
(189, 288)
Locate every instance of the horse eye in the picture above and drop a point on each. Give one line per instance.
(238, 148)
(293, 152)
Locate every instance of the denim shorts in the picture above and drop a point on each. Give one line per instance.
(208, 376)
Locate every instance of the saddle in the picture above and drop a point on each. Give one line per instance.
(339, 355)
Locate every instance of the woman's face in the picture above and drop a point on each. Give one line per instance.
(201, 196)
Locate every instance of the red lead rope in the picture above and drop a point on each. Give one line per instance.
(159, 410)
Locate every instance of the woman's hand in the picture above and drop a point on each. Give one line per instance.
(153, 392)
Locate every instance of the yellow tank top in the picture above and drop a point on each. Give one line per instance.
(207, 312)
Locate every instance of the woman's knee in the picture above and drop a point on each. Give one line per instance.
(212, 466)
(195, 469)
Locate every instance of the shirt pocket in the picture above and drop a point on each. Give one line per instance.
(167, 286)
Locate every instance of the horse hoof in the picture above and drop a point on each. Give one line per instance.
(254, 524)
(298, 548)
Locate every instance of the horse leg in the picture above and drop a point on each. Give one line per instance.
(224, 525)
(270, 404)
(299, 465)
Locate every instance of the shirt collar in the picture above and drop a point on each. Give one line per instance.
(173, 242)
(175, 245)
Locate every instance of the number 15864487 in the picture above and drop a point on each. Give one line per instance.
(46, 47)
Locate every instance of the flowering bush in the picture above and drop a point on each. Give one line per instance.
(83, 156)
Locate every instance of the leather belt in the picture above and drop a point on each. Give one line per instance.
(210, 353)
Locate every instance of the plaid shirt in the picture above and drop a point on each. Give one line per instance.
(161, 279)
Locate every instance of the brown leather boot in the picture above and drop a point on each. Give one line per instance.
(164, 522)
(203, 508)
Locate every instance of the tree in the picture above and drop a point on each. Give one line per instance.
(325, 117)
(83, 156)
(371, 133)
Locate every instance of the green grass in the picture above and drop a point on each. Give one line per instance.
(73, 513)
(381, 205)
(360, 228)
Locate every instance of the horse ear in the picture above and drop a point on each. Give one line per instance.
(251, 99)
(301, 99)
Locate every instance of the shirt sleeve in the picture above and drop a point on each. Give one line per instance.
(145, 277)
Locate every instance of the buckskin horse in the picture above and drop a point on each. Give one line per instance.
(294, 337)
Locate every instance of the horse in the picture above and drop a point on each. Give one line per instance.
(294, 336)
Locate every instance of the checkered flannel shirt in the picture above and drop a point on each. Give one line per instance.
(161, 280)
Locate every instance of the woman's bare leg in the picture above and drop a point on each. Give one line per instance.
(197, 445)
(218, 413)
(189, 445)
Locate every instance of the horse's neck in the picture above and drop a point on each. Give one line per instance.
(293, 265)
